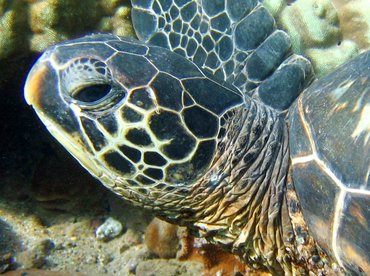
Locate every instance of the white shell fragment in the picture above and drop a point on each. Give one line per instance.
(110, 229)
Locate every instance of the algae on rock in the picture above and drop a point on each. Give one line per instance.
(354, 17)
(31, 26)
(315, 29)
(13, 27)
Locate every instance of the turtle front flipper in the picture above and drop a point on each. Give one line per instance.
(236, 41)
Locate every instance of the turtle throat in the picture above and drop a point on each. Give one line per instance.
(241, 200)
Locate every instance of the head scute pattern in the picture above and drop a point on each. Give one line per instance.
(155, 128)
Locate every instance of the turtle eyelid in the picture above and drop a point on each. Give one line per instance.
(84, 72)
(88, 66)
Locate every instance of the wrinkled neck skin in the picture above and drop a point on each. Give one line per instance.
(241, 202)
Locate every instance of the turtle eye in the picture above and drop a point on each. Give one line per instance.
(92, 93)
(87, 80)
(88, 83)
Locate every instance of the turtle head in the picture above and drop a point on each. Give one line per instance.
(127, 113)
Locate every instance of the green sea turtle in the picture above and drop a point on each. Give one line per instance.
(200, 122)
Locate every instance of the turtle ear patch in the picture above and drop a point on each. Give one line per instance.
(180, 147)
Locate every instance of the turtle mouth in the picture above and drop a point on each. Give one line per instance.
(72, 143)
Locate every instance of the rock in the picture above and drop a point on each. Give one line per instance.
(168, 268)
(326, 59)
(54, 21)
(314, 28)
(354, 17)
(36, 25)
(161, 238)
(13, 27)
(118, 23)
(110, 229)
(214, 259)
(37, 256)
(6, 261)
(311, 23)
(275, 6)
(39, 272)
(8, 239)
(9, 244)
(167, 241)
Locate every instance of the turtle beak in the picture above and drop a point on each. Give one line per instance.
(41, 91)
(37, 83)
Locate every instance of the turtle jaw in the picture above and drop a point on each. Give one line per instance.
(72, 143)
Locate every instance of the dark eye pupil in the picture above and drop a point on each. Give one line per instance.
(92, 93)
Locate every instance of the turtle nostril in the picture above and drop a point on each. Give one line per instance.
(92, 93)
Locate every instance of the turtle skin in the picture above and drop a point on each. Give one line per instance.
(171, 135)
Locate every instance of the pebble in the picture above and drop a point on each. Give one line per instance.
(110, 229)
(36, 257)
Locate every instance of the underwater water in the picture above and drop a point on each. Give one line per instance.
(53, 215)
